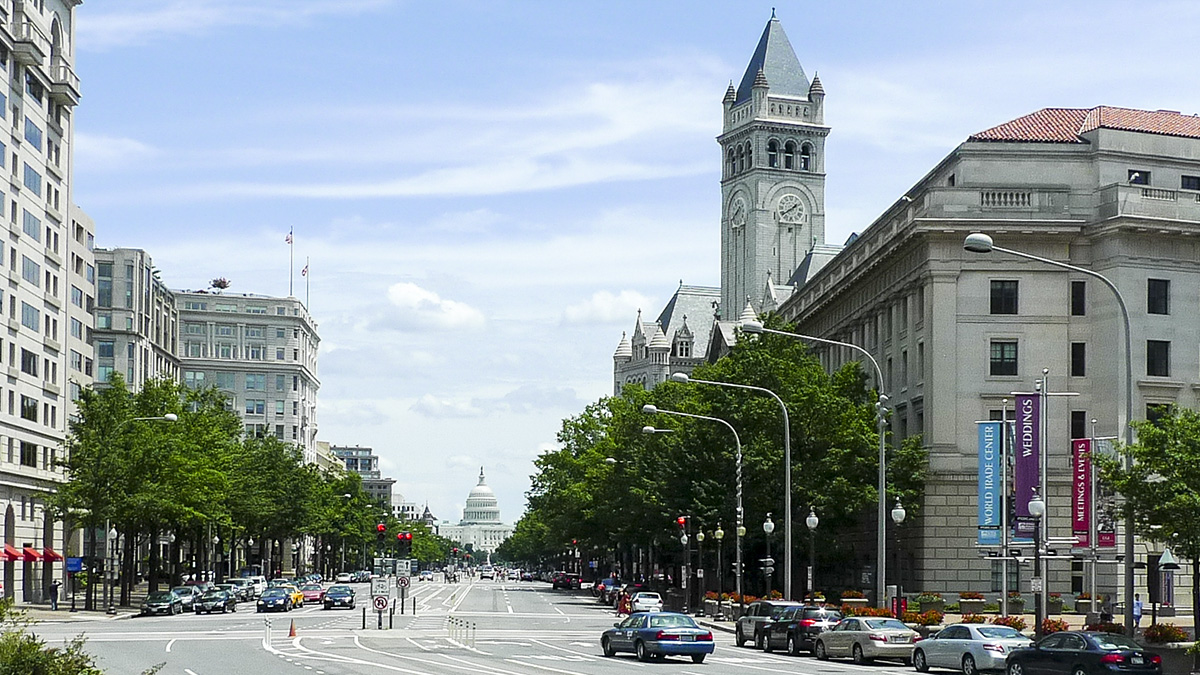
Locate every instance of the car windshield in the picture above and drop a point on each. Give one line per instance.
(274, 593)
(182, 590)
(312, 587)
(159, 596)
(1111, 642)
(672, 621)
(999, 632)
(647, 596)
(337, 590)
(213, 595)
(885, 623)
(822, 614)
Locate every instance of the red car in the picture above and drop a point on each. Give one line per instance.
(313, 593)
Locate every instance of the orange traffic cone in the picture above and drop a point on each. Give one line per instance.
(292, 630)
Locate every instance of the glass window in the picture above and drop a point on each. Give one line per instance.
(1158, 358)
(104, 349)
(1003, 357)
(1004, 297)
(33, 134)
(1139, 177)
(256, 381)
(76, 296)
(256, 406)
(1078, 359)
(31, 271)
(1158, 296)
(104, 320)
(226, 380)
(1079, 424)
(30, 316)
(31, 225)
(33, 180)
(1189, 182)
(193, 378)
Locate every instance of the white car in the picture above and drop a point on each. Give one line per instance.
(970, 647)
(486, 572)
(425, 575)
(863, 638)
(645, 601)
(344, 578)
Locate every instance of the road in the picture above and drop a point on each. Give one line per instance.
(520, 628)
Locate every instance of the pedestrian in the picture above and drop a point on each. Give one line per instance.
(1106, 615)
(54, 587)
(1137, 610)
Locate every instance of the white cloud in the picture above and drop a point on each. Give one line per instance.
(414, 308)
(432, 406)
(605, 307)
(105, 153)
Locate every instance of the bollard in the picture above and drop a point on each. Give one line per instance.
(414, 606)
(472, 635)
(267, 630)
(391, 616)
(364, 617)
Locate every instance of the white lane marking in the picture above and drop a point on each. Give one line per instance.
(169, 643)
(189, 671)
(526, 664)
(591, 657)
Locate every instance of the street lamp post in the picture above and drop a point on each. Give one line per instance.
(898, 515)
(700, 571)
(112, 565)
(977, 242)
(787, 477)
(741, 529)
(769, 568)
(753, 327)
(812, 521)
(1037, 508)
(719, 535)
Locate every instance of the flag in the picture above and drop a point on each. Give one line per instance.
(304, 272)
(288, 239)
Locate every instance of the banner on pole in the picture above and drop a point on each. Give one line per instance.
(1106, 503)
(1027, 455)
(989, 484)
(1081, 490)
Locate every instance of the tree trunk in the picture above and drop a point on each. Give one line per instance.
(127, 572)
(1195, 608)
(154, 559)
(89, 602)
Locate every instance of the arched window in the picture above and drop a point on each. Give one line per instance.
(741, 163)
(773, 154)
(732, 162)
(789, 155)
(806, 157)
(749, 155)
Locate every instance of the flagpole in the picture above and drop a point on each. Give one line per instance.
(292, 261)
(307, 277)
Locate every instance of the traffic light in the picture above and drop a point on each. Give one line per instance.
(682, 522)
(404, 540)
(380, 531)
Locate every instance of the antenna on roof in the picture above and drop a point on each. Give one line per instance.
(772, 12)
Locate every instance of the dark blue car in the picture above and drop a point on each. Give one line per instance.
(657, 635)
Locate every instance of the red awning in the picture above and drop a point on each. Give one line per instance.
(10, 553)
(31, 555)
(51, 554)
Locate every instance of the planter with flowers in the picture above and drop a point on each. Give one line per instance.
(1083, 603)
(1054, 603)
(854, 599)
(971, 602)
(931, 601)
(1016, 603)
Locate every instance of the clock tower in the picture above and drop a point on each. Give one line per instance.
(773, 172)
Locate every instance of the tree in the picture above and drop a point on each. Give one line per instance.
(1162, 487)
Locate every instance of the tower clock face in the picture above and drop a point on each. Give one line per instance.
(737, 213)
(791, 210)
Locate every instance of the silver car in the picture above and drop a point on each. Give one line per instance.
(971, 647)
(865, 638)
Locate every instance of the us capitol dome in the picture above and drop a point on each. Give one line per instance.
(480, 525)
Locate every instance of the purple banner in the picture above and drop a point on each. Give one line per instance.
(1027, 468)
(1081, 490)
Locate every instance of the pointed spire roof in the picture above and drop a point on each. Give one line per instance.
(659, 341)
(624, 349)
(730, 94)
(684, 331)
(748, 314)
(777, 61)
(637, 328)
(816, 87)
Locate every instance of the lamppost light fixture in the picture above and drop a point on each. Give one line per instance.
(1167, 561)
(978, 242)
(812, 520)
(649, 409)
(768, 525)
(741, 530)
(898, 513)
(1037, 507)
(683, 539)
(680, 377)
(699, 536)
(718, 533)
(112, 533)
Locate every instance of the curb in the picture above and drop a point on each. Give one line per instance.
(724, 627)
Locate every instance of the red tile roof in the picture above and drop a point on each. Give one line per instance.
(1066, 125)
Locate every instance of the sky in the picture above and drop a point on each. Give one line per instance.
(485, 192)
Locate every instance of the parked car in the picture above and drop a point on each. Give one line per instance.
(657, 635)
(275, 599)
(1083, 653)
(187, 596)
(162, 602)
(796, 629)
(646, 601)
(425, 575)
(526, 576)
(569, 581)
(757, 613)
(339, 596)
(344, 578)
(259, 583)
(866, 638)
(214, 600)
(296, 593)
(243, 589)
(971, 647)
(312, 593)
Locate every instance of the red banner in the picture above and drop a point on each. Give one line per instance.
(1081, 490)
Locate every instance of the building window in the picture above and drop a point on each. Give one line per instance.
(1156, 411)
(28, 456)
(806, 157)
(194, 328)
(789, 155)
(279, 353)
(1158, 358)
(77, 296)
(30, 317)
(33, 180)
(280, 382)
(104, 349)
(104, 373)
(1139, 177)
(1079, 424)
(773, 154)
(279, 408)
(29, 362)
(1004, 297)
(254, 331)
(193, 378)
(1158, 296)
(31, 271)
(256, 381)
(189, 304)
(1078, 360)
(1189, 182)
(33, 134)
(256, 406)
(31, 225)
(225, 330)
(29, 408)
(254, 352)
(1003, 357)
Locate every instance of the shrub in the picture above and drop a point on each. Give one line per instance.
(1014, 622)
(775, 595)
(928, 596)
(930, 618)
(711, 595)
(973, 618)
(1165, 632)
(851, 593)
(992, 607)
(847, 610)
(815, 597)
(1109, 627)
(1053, 626)
(970, 595)
(1014, 595)
(1084, 596)
(952, 607)
(1056, 596)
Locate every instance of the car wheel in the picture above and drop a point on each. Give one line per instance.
(856, 655)
(1015, 668)
(607, 647)
(819, 651)
(766, 643)
(1079, 671)
(919, 661)
(698, 658)
(640, 649)
(968, 665)
(738, 638)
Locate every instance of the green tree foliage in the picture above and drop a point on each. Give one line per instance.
(23, 653)
(609, 483)
(1162, 487)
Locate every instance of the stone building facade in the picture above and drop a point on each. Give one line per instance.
(481, 526)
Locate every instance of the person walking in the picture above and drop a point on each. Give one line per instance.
(54, 588)
(1137, 610)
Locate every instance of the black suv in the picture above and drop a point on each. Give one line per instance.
(568, 581)
(749, 625)
(796, 628)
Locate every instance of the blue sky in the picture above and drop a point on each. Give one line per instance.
(488, 191)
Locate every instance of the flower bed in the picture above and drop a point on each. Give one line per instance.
(1014, 622)
(1160, 633)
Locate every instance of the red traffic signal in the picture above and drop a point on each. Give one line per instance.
(381, 528)
(404, 536)
(682, 521)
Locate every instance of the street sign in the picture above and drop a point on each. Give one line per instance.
(1036, 585)
(380, 587)
(74, 564)
(380, 602)
(700, 574)
(404, 582)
